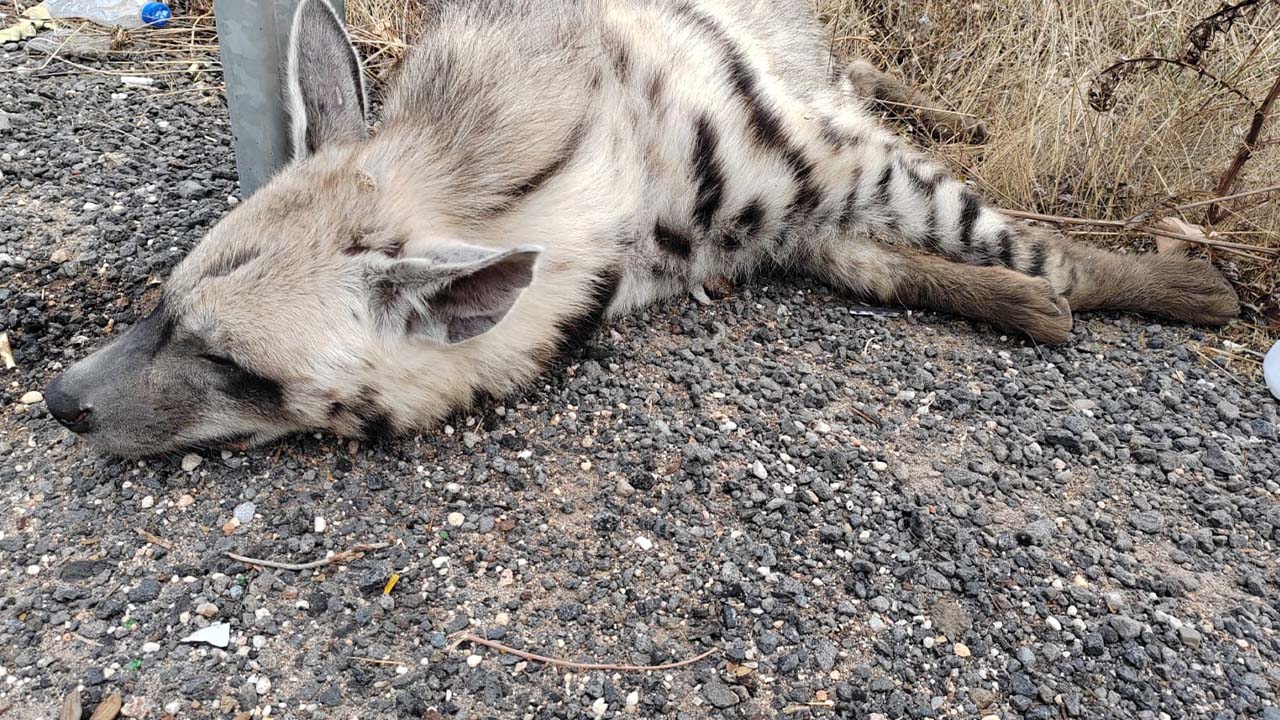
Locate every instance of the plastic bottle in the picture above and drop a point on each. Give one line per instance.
(125, 13)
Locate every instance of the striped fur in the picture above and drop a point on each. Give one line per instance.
(638, 149)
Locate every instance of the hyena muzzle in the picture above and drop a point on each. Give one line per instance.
(543, 166)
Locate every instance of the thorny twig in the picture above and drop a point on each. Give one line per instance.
(462, 637)
(343, 556)
(1246, 151)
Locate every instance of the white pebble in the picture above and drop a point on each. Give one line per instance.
(148, 502)
(150, 647)
(456, 519)
(439, 562)
(263, 686)
(962, 650)
(320, 524)
(191, 461)
(474, 660)
(599, 707)
(633, 698)
(644, 543)
(31, 398)
(759, 470)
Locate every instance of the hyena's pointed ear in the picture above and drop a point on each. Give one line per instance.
(327, 101)
(453, 295)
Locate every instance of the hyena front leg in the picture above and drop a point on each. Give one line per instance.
(902, 100)
(895, 275)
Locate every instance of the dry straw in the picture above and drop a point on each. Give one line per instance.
(1168, 130)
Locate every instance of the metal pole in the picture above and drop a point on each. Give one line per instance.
(253, 38)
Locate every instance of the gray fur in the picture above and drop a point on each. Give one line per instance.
(542, 165)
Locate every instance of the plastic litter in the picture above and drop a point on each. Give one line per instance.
(125, 13)
(1271, 370)
(34, 19)
(217, 635)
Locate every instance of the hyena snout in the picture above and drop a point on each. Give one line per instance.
(68, 406)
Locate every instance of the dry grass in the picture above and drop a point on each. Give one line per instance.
(1026, 68)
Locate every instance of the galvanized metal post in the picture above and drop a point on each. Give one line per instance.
(253, 38)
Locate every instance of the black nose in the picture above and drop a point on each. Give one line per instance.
(67, 408)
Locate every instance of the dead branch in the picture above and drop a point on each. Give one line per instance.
(343, 556)
(1215, 216)
(1201, 36)
(474, 639)
(1102, 93)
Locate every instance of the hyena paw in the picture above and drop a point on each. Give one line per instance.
(1032, 306)
(948, 127)
(716, 288)
(1192, 291)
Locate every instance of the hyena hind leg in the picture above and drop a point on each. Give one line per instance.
(901, 100)
(1170, 285)
(896, 275)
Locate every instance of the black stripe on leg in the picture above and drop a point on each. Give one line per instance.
(709, 172)
(1038, 256)
(672, 241)
(851, 206)
(745, 226)
(807, 199)
(971, 206)
(576, 329)
(1006, 249)
(884, 185)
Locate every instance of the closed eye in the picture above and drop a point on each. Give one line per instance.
(220, 361)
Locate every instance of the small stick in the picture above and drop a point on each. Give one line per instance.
(1058, 219)
(153, 539)
(376, 661)
(868, 417)
(343, 556)
(1237, 196)
(534, 657)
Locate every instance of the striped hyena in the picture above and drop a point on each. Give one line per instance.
(542, 166)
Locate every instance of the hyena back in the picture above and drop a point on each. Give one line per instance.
(540, 167)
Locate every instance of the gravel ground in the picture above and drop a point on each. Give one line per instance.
(871, 516)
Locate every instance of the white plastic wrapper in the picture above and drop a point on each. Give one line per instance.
(1271, 370)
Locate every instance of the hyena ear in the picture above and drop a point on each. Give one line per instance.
(327, 100)
(454, 295)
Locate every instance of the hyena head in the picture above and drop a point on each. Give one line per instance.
(302, 308)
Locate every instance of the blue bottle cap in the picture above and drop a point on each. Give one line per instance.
(156, 14)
